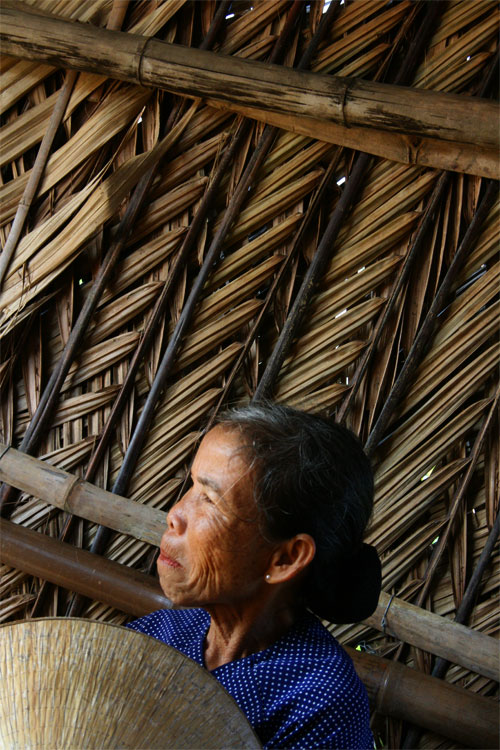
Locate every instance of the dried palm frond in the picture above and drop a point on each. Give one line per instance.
(111, 134)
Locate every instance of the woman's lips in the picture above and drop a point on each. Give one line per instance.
(163, 558)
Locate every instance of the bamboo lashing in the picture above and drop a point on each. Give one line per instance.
(342, 111)
(21, 548)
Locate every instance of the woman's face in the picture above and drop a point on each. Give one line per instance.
(212, 551)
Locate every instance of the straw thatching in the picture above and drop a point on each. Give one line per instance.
(398, 337)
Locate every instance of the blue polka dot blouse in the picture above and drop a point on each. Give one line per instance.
(301, 692)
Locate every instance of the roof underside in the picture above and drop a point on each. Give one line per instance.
(396, 334)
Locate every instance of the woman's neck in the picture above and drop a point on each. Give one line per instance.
(234, 634)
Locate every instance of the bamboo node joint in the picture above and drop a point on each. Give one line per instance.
(342, 105)
(140, 55)
(70, 486)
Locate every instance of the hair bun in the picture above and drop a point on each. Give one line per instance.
(355, 593)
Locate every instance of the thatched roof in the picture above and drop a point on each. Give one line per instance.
(362, 285)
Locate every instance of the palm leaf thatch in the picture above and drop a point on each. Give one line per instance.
(357, 330)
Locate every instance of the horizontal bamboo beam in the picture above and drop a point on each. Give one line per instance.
(425, 630)
(394, 689)
(469, 648)
(450, 711)
(80, 498)
(280, 96)
(77, 570)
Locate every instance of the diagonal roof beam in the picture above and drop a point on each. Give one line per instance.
(413, 126)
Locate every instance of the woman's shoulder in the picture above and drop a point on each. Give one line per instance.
(176, 627)
(310, 639)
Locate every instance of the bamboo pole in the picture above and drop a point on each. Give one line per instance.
(76, 569)
(435, 634)
(404, 693)
(404, 621)
(394, 689)
(462, 615)
(74, 495)
(295, 98)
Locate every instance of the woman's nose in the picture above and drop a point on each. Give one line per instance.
(176, 520)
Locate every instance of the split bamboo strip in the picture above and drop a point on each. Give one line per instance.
(196, 73)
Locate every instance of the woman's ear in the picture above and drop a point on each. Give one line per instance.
(291, 558)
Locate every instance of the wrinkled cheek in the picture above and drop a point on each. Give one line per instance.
(207, 573)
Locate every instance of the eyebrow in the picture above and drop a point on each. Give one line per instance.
(207, 482)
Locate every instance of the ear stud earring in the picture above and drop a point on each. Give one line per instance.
(268, 577)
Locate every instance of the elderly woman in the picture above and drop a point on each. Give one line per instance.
(269, 533)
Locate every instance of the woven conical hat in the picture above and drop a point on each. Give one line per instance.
(71, 683)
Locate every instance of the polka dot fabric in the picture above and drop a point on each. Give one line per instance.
(301, 692)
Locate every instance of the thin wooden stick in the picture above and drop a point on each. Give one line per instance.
(147, 336)
(315, 271)
(405, 270)
(458, 497)
(465, 606)
(114, 22)
(323, 255)
(232, 211)
(423, 338)
(401, 279)
(311, 212)
(211, 257)
(36, 173)
(462, 615)
(51, 392)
